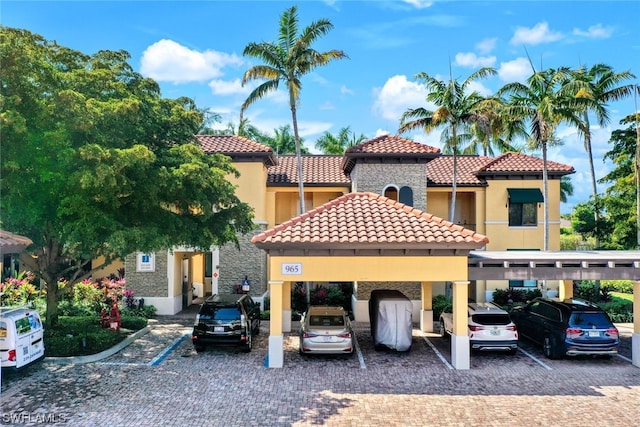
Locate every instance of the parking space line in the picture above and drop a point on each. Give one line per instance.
(359, 353)
(535, 359)
(160, 357)
(624, 358)
(437, 352)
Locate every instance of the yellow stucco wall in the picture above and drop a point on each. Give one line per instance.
(283, 202)
(251, 187)
(390, 269)
(503, 237)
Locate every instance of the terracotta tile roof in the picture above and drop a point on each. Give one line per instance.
(389, 147)
(518, 162)
(236, 147)
(12, 243)
(368, 220)
(440, 171)
(392, 144)
(317, 170)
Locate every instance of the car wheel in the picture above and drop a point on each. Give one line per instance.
(443, 332)
(199, 348)
(551, 348)
(249, 344)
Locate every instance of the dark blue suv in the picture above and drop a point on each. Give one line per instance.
(571, 327)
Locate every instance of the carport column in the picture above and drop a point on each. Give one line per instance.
(460, 353)
(566, 289)
(635, 338)
(286, 307)
(426, 314)
(275, 357)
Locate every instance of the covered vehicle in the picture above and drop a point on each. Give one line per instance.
(326, 330)
(390, 315)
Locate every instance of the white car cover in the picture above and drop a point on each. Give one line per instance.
(390, 317)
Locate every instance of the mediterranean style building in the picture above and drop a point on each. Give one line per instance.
(499, 200)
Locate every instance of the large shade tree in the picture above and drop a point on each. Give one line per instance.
(286, 61)
(457, 107)
(96, 165)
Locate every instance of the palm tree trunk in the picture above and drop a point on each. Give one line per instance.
(298, 153)
(545, 181)
(452, 209)
(594, 188)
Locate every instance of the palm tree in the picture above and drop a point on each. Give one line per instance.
(566, 188)
(338, 144)
(456, 110)
(490, 130)
(286, 61)
(284, 141)
(544, 101)
(602, 87)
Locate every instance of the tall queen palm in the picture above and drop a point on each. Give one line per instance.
(286, 61)
(457, 108)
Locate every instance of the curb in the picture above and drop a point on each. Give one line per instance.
(103, 354)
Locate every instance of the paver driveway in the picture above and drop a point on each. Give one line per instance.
(161, 380)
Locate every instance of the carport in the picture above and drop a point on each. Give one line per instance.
(565, 266)
(368, 237)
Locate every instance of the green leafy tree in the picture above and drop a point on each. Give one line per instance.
(97, 165)
(566, 188)
(602, 87)
(286, 61)
(339, 143)
(545, 101)
(457, 108)
(620, 198)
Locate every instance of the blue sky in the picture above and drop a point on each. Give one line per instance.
(194, 49)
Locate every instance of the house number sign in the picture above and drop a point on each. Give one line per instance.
(291, 268)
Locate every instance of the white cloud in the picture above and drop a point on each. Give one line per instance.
(594, 32)
(540, 33)
(224, 87)
(476, 86)
(169, 61)
(419, 4)
(517, 70)
(345, 90)
(487, 45)
(396, 96)
(327, 105)
(472, 60)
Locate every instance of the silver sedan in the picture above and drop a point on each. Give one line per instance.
(326, 330)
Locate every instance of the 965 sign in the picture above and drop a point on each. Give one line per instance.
(291, 268)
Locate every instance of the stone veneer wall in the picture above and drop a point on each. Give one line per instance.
(248, 260)
(411, 290)
(147, 283)
(375, 177)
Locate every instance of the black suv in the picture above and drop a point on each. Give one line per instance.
(226, 320)
(571, 327)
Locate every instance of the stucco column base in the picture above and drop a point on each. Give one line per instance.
(426, 320)
(635, 349)
(286, 320)
(276, 351)
(460, 353)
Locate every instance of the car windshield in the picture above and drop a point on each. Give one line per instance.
(326, 320)
(222, 313)
(589, 320)
(491, 319)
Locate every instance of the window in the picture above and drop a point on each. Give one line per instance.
(523, 206)
(391, 192)
(406, 196)
(523, 283)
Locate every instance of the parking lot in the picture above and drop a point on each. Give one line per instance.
(161, 380)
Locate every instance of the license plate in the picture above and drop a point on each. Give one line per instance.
(218, 329)
(495, 332)
(594, 334)
(328, 339)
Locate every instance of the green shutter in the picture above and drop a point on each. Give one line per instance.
(525, 195)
